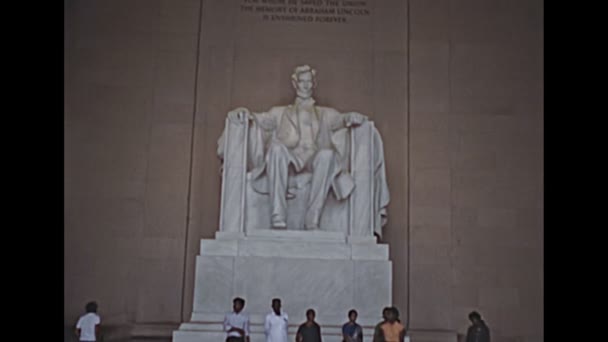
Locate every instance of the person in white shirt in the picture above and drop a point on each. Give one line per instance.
(236, 323)
(87, 327)
(276, 323)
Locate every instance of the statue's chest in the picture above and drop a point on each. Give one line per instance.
(305, 117)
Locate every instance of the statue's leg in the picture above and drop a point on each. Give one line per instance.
(277, 167)
(324, 169)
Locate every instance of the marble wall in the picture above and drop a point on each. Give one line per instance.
(143, 111)
(476, 122)
(129, 95)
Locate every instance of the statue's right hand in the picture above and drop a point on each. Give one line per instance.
(239, 115)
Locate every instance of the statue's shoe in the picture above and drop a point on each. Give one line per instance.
(312, 226)
(312, 220)
(279, 224)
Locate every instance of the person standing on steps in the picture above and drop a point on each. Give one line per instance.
(309, 331)
(378, 337)
(392, 330)
(276, 323)
(351, 331)
(236, 323)
(87, 328)
(478, 331)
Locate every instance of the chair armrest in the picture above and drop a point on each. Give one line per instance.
(362, 170)
(234, 173)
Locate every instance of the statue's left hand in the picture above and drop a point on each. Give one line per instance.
(355, 119)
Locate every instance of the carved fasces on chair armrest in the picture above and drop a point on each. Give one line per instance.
(234, 170)
(240, 115)
(361, 149)
(233, 142)
(361, 201)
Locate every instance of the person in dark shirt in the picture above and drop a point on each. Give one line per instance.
(478, 331)
(309, 331)
(351, 331)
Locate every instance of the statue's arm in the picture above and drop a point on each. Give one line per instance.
(353, 119)
(335, 119)
(339, 120)
(266, 120)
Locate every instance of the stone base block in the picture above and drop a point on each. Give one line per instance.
(322, 272)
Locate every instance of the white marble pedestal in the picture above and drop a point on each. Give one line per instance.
(318, 270)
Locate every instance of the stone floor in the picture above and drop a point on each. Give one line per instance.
(416, 336)
(67, 339)
(70, 337)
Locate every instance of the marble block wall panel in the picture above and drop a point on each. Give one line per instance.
(369, 251)
(299, 249)
(324, 285)
(291, 235)
(331, 287)
(274, 247)
(373, 288)
(213, 283)
(219, 247)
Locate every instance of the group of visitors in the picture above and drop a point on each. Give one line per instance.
(236, 326)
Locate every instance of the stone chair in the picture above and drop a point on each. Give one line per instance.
(245, 212)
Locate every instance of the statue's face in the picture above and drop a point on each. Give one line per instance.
(304, 85)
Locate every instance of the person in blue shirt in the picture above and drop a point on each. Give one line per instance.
(351, 331)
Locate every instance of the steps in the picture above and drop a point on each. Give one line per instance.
(212, 332)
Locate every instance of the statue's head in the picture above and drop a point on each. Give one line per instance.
(303, 81)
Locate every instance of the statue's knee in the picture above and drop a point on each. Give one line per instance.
(276, 149)
(324, 156)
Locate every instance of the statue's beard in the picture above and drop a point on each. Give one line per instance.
(304, 94)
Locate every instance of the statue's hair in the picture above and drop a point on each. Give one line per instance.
(302, 69)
